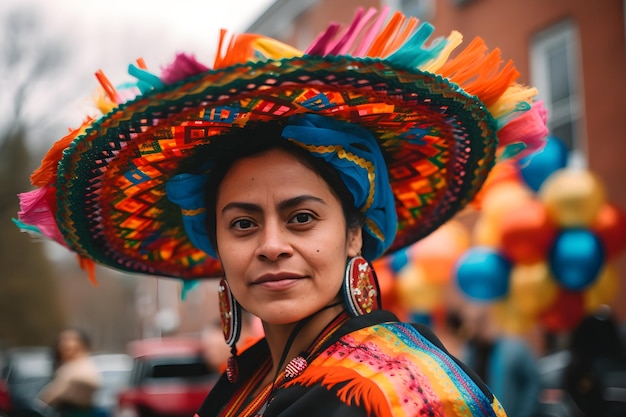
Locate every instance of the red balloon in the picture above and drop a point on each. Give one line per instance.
(527, 233)
(610, 226)
(565, 313)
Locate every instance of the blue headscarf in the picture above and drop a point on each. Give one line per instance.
(349, 148)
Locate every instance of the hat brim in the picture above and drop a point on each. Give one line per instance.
(438, 141)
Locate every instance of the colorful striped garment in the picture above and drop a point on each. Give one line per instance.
(372, 365)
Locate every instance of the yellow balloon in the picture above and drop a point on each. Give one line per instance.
(603, 290)
(486, 232)
(532, 289)
(415, 292)
(573, 197)
(510, 319)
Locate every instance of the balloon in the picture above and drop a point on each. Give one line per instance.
(603, 291)
(565, 313)
(482, 274)
(486, 232)
(576, 258)
(496, 204)
(610, 227)
(527, 233)
(503, 197)
(437, 252)
(505, 171)
(387, 284)
(573, 197)
(532, 289)
(415, 293)
(510, 318)
(399, 260)
(535, 168)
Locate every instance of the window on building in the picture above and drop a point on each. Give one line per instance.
(422, 9)
(555, 71)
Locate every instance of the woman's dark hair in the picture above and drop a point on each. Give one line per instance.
(244, 143)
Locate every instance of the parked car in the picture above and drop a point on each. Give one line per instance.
(25, 371)
(169, 378)
(555, 401)
(115, 371)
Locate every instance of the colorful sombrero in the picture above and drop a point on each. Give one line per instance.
(441, 123)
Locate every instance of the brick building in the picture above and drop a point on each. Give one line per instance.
(574, 51)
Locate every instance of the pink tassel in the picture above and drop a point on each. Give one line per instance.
(35, 210)
(345, 43)
(529, 128)
(184, 66)
(371, 34)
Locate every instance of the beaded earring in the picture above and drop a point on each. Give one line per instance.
(230, 316)
(360, 287)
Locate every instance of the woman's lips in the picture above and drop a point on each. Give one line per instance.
(277, 281)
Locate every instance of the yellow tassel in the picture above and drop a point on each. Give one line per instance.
(454, 40)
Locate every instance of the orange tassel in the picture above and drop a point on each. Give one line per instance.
(389, 32)
(108, 87)
(399, 41)
(47, 171)
(479, 73)
(141, 63)
(90, 267)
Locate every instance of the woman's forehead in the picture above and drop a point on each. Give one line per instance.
(275, 174)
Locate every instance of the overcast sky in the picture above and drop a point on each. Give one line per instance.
(110, 34)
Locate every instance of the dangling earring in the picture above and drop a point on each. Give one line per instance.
(230, 316)
(360, 287)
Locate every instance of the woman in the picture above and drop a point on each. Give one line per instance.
(76, 377)
(286, 174)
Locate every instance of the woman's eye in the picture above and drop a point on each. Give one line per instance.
(242, 224)
(302, 218)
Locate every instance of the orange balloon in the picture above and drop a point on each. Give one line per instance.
(573, 197)
(532, 290)
(503, 197)
(387, 284)
(527, 233)
(603, 290)
(438, 252)
(610, 226)
(415, 292)
(502, 172)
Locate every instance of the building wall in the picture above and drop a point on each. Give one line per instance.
(511, 25)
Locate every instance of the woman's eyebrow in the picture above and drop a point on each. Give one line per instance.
(296, 201)
(250, 207)
(283, 205)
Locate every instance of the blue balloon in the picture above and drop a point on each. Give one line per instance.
(537, 167)
(482, 273)
(399, 260)
(576, 258)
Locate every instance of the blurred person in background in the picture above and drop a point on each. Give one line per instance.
(76, 377)
(505, 362)
(595, 377)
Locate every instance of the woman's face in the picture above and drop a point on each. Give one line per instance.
(70, 345)
(281, 237)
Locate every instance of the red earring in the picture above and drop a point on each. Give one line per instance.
(360, 287)
(230, 316)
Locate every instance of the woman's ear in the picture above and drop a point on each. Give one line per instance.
(355, 241)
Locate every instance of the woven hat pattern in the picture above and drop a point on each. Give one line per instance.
(439, 142)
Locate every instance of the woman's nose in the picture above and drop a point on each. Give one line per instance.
(274, 242)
